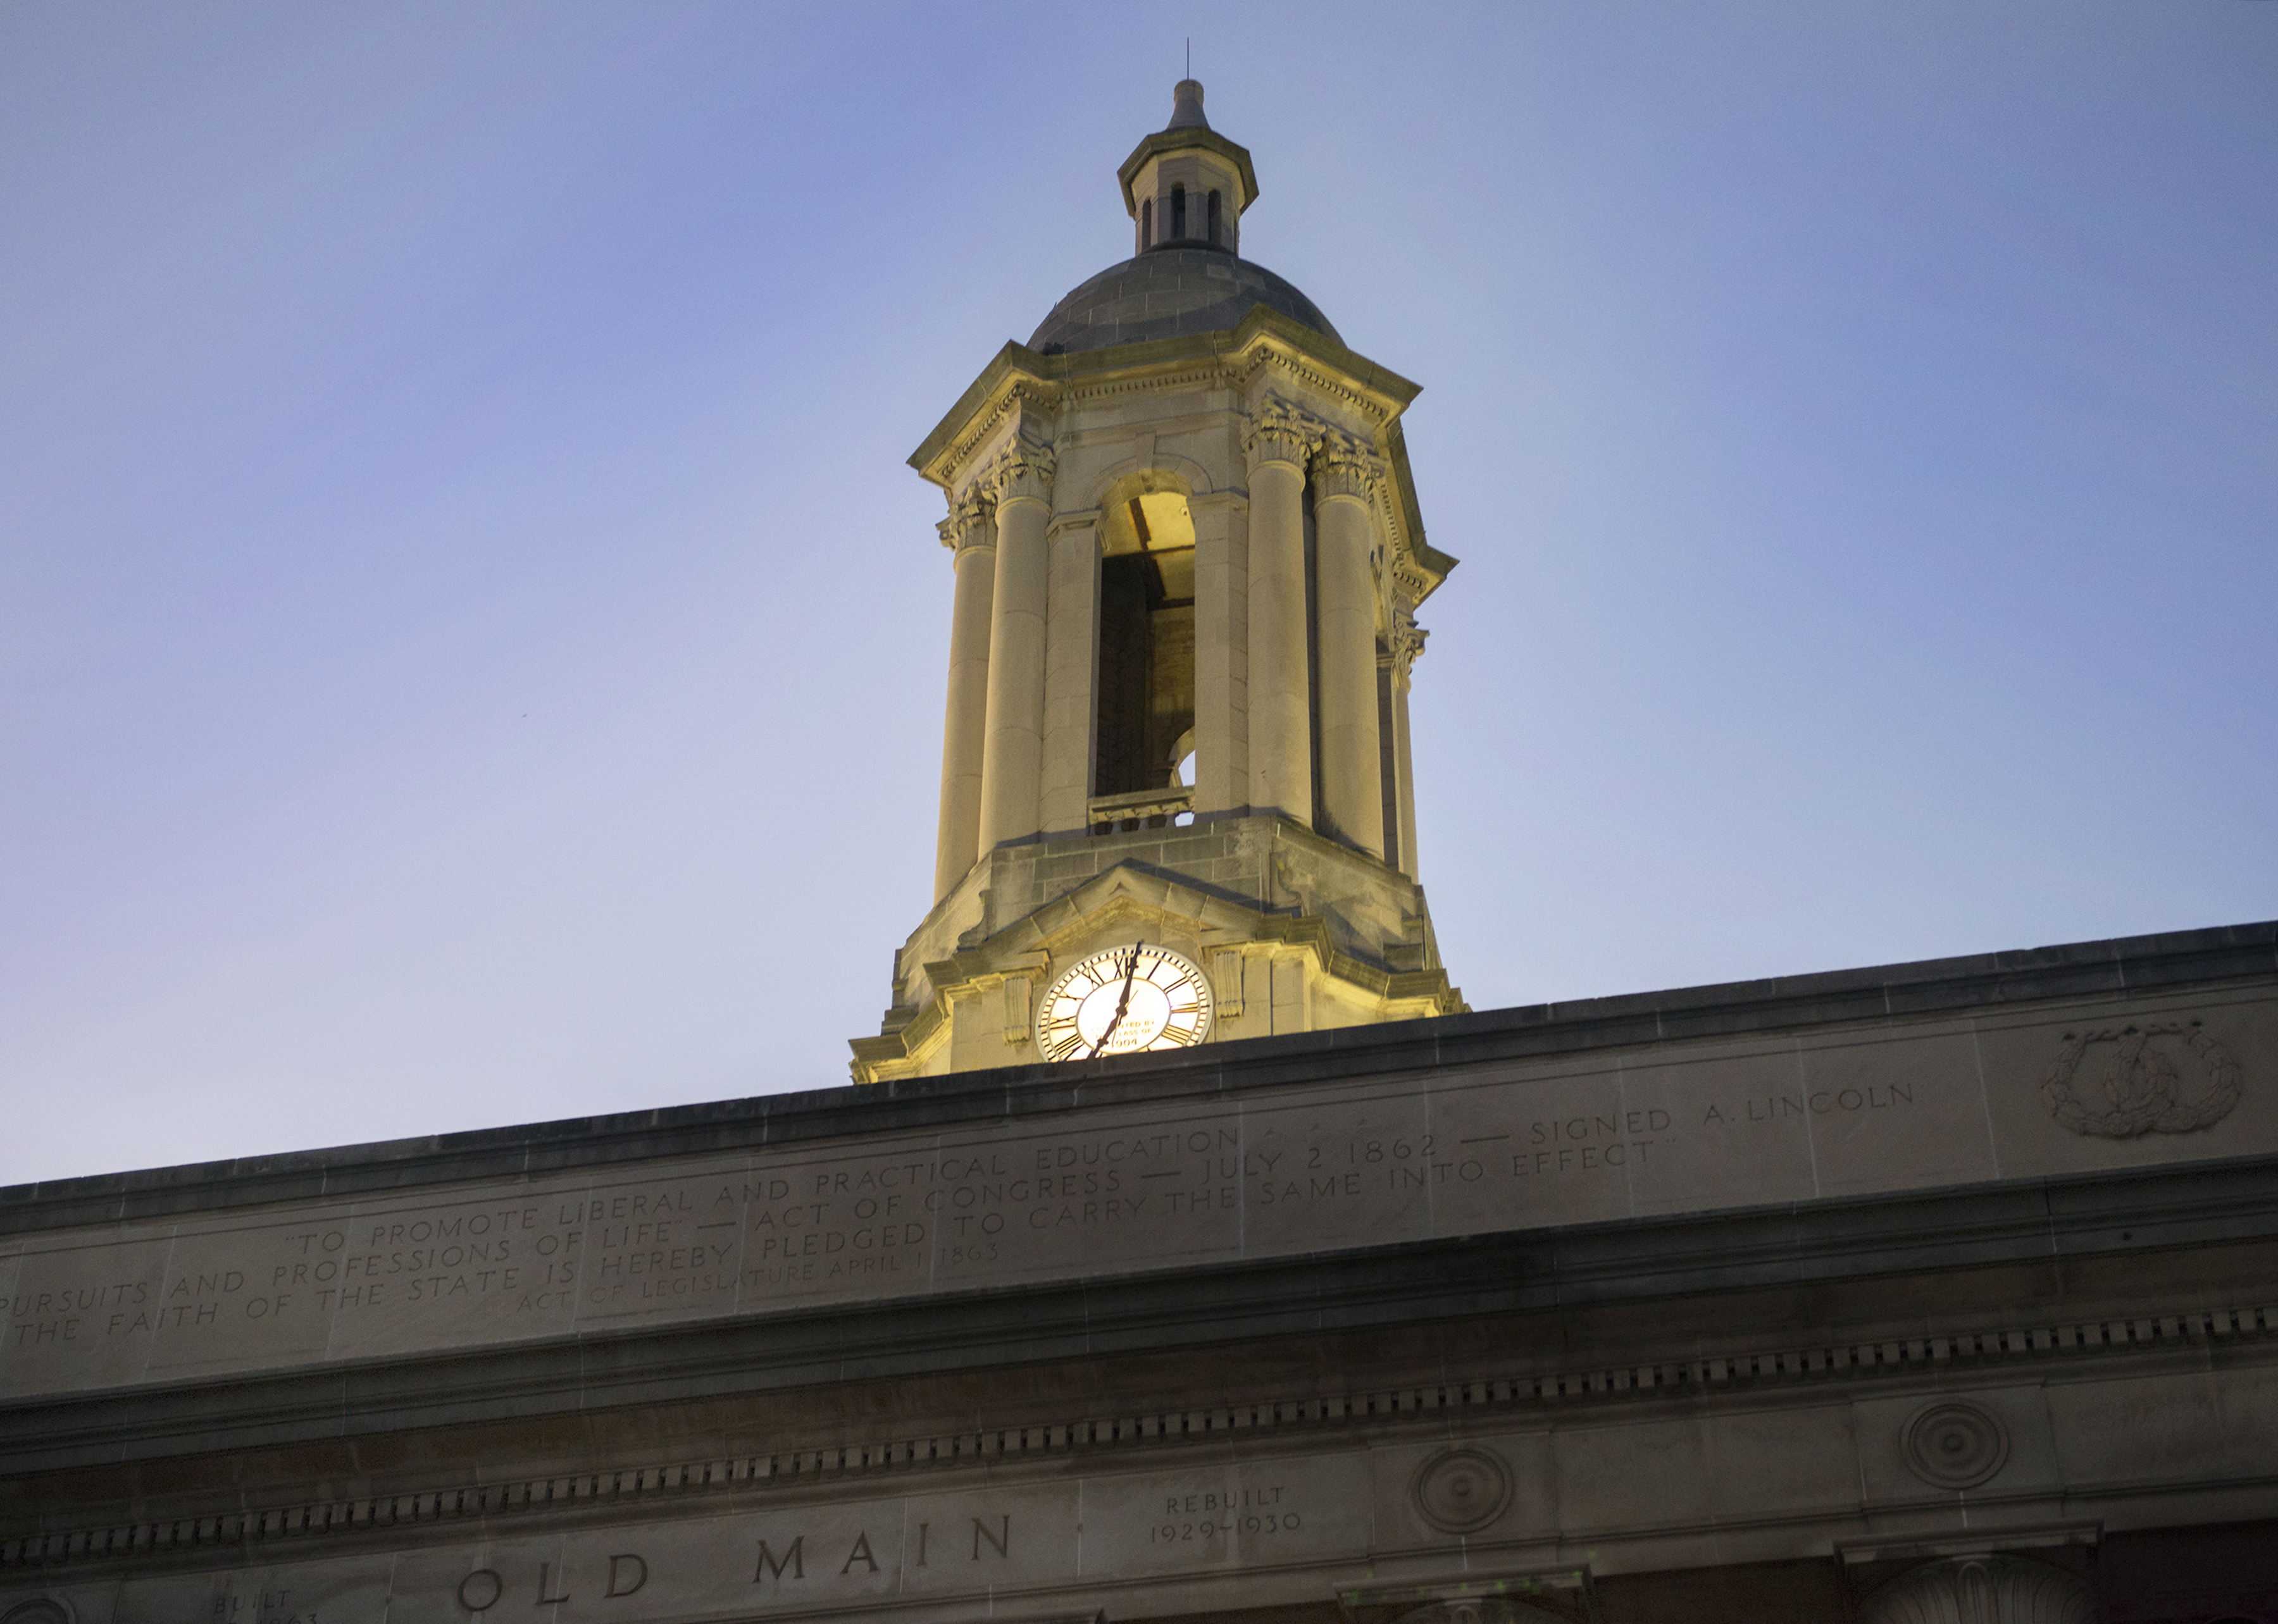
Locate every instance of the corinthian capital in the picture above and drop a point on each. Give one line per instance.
(1279, 432)
(1344, 466)
(1406, 642)
(972, 521)
(1022, 472)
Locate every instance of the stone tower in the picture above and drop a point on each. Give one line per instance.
(1176, 803)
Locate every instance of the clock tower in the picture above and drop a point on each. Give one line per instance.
(1176, 798)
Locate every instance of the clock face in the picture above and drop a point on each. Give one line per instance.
(1122, 1000)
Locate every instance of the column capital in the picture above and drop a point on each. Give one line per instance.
(1406, 642)
(971, 521)
(1344, 466)
(1022, 472)
(1279, 432)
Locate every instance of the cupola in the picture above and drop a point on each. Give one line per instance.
(1186, 185)
(1177, 798)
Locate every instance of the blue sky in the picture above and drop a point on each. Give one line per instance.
(470, 650)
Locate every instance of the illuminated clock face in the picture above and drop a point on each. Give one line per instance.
(1122, 1000)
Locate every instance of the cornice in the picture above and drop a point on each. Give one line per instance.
(1319, 380)
(1264, 336)
(1430, 566)
(1018, 399)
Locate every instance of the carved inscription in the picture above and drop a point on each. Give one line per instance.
(823, 1557)
(1206, 1514)
(862, 1225)
(1100, 1190)
(281, 1604)
(782, 1563)
(1779, 1107)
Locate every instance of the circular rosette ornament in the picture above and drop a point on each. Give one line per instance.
(1460, 1490)
(1955, 1444)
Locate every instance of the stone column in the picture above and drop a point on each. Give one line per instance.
(970, 531)
(1221, 653)
(1071, 666)
(1352, 772)
(1280, 442)
(1407, 643)
(1012, 761)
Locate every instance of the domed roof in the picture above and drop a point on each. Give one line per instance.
(1169, 294)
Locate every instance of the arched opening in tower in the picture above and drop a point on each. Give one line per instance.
(1146, 686)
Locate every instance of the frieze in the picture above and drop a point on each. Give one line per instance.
(1105, 1191)
(1205, 376)
(1947, 1445)
(1287, 1524)
(820, 1556)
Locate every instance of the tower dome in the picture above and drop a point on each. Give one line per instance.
(1168, 292)
(1185, 188)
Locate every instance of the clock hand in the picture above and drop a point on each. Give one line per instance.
(1122, 1004)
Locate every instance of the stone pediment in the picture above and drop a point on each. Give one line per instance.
(1127, 894)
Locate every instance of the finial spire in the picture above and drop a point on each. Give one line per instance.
(1187, 106)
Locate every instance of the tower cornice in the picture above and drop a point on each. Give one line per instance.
(1017, 375)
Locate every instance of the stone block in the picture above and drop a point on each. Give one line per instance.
(1225, 1516)
(1608, 1474)
(1330, 1172)
(2204, 1425)
(1897, 1109)
(1542, 1147)
(2005, 1424)
(2151, 1080)
(1739, 1130)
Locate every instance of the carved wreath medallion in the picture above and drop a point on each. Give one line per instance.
(1462, 1489)
(2138, 1085)
(1954, 1445)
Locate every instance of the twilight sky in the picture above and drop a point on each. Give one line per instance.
(470, 650)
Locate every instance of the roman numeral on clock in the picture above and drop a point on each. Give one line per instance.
(1060, 1044)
